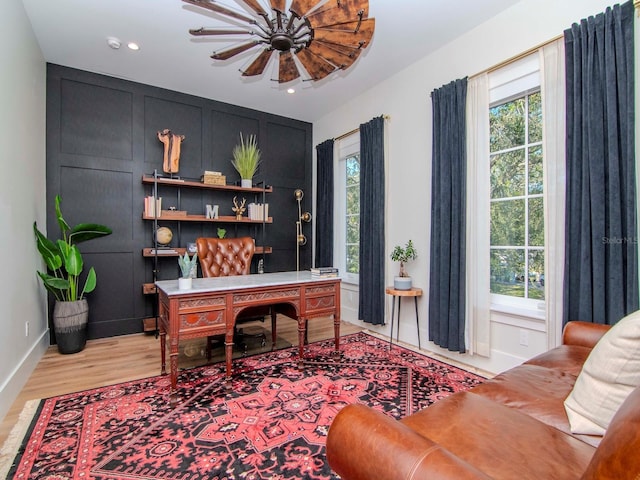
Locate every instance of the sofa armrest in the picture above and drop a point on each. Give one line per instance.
(583, 334)
(363, 444)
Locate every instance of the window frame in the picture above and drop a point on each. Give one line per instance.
(347, 147)
(507, 84)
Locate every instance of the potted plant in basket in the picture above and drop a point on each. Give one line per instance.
(64, 266)
(186, 267)
(403, 255)
(246, 158)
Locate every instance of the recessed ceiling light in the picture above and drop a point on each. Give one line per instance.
(133, 46)
(291, 90)
(113, 43)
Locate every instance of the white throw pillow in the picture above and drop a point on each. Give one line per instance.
(610, 373)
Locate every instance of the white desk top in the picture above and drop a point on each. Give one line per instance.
(239, 282)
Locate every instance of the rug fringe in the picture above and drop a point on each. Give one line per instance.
(14, 440)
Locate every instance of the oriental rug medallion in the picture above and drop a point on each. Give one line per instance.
(271, 425)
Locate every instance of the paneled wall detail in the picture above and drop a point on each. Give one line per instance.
(101, 139)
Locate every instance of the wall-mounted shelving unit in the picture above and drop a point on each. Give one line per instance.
(156, 251)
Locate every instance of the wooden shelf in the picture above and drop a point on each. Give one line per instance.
(202, 218)
(174, 252)
(150, 179)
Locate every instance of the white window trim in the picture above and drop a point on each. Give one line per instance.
(346, 147)
(513, 81)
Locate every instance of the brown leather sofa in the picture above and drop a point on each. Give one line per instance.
(513, 426)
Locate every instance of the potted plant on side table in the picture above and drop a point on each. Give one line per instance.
(64, 266)
(403, 255)
(246, 158)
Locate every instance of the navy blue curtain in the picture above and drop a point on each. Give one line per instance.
(448, 204)
(324, 205)
(372, 255)
(601, 277)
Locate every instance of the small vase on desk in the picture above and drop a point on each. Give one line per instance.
(184, 283)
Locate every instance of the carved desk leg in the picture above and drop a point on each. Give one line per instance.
(302, 332)
(336, 335)
(163, 350)
(229, 355)
(173, 361)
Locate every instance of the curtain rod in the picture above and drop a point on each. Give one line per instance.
(636, 4)
(355, 130)
(517, 57)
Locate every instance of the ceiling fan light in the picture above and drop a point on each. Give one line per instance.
(342, 26)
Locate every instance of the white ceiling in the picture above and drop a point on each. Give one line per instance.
(73, 33)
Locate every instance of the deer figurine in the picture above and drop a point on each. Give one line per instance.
(239, 210)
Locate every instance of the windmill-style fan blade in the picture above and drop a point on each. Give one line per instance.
(226, 54)
(346, 34)
(214, 7)
(342, 57)
(316, 67)
(256, 7)
(258, 65)
(288, 70)
(339, 12)
(302, 7)
(278, 5)
(201, 32)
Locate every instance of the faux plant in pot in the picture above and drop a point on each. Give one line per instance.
(186, 268)
(246, 159)
(62, 278)
(403, 255)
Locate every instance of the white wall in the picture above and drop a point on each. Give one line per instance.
(22, 200)
(406, 98)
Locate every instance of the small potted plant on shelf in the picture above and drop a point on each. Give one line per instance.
(186, 267)
(62, 278)
(403, 255)
(246, 158)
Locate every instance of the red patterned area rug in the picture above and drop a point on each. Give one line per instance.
(272, 425)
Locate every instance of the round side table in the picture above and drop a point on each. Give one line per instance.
(415, 293)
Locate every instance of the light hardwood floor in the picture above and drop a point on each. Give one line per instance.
(118, 359)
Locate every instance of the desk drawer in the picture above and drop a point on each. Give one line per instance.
(211, 318)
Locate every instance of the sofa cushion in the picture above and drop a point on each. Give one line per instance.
(565, 358)
(536, 391)
(500, 441)
(610, 373)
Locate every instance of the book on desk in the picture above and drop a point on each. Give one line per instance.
(324, 272)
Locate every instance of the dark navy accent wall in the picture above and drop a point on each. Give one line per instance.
(101, 140)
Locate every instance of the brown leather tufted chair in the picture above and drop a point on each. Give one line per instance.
(224, 257)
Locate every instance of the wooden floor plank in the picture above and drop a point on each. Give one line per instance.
(129, 357)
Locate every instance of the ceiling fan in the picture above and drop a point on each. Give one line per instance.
(319, 36)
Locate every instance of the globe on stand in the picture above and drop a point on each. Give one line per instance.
(164, 236)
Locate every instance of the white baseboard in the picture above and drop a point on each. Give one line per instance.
(11, 388)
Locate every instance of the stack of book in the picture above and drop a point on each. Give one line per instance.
(324, 272)
(152, 206)
(258, 211)
(213, 178)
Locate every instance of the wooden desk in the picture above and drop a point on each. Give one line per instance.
(413, 292)
(212, 305)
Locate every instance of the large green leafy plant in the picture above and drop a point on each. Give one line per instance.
(64, 260)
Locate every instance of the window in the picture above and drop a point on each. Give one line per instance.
(347, 208)
(516, 211)
(352, 214)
